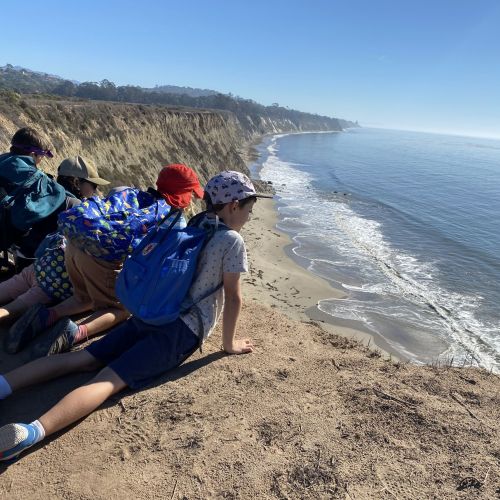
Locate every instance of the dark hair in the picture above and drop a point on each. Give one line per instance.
(70, 184)
(155, 193)
(219, 206)
(88, 182)
(26, 137)
(210, 206)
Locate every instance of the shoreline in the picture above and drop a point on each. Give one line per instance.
(275, 257)
(250, 154)
(275, 279)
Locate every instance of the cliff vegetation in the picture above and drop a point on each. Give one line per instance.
(254, 118)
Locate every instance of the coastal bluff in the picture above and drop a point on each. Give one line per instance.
(130, 142)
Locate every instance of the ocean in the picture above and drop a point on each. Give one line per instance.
(407, 225)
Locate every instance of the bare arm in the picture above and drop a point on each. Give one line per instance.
(232, 308)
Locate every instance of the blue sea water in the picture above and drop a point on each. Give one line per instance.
(407, 224)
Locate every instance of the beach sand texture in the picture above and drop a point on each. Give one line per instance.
(309, 415)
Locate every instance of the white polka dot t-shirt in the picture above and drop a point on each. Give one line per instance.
(224, 253)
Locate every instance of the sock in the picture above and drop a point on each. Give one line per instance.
(52, 317)
(82, 334)
(5, 389)
(40, 430)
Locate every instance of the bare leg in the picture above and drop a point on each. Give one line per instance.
(104, 320)
(71, 306)
(51, 367)
(82, 401)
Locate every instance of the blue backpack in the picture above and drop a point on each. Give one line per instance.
(157, 276)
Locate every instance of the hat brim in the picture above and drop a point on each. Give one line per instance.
(199, 192)
(178, 200)
(98, 181)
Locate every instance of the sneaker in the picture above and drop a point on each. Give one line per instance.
(26, 328)
(15, 438)
(58, 338)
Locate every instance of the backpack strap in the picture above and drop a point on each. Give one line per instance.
(171, 225)
(196, 219)
(193, 303)
(210, 233)
(197, 311)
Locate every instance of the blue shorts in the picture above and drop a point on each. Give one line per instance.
(138, 352)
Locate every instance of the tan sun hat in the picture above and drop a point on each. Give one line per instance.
(76, 166)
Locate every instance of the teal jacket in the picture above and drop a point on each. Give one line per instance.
(30, 194)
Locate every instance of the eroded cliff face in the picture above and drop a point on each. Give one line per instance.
(258, 126)
(128, 143)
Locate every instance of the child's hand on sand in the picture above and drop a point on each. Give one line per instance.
(239, 346)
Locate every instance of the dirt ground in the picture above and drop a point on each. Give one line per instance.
(308, 415)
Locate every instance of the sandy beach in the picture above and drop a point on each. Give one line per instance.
(310, 414)
(276, 280)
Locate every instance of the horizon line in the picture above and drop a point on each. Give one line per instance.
(476, 135)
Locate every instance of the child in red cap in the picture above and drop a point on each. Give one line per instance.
(176, 182)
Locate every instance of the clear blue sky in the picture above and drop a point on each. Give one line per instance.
(420, 65)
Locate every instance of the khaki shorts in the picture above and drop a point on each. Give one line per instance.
(93, 279)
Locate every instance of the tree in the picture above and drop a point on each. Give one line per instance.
(65, 88)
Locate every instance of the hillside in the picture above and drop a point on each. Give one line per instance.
(255, 118)
(129, 142)
(175, 89)
(28, 81)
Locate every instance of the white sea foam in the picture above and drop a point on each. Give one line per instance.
(340, 243)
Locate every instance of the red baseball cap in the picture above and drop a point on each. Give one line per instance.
(176, 183)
